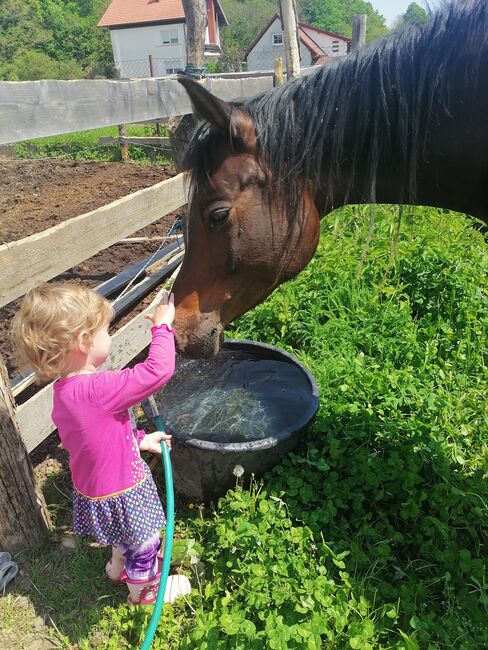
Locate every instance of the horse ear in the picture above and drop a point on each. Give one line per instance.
(205, 105)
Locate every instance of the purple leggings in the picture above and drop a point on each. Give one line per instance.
(140, 559)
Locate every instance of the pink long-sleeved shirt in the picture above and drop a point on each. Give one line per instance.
(91, 414)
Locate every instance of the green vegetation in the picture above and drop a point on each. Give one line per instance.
(414, 15)
(336, 16)
(53, 39)
(246, 19)
(84, 145)
(372, 534)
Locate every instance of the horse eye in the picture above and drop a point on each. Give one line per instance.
(218, 218)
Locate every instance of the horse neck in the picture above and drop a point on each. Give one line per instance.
(407, 133)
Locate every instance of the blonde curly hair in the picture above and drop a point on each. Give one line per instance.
(50, 319)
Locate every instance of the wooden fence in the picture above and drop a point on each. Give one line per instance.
(35, 109)
(41, 108)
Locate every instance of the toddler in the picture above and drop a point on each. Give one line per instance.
(61, 331)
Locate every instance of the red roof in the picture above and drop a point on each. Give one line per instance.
(134, 12)
(128, 12)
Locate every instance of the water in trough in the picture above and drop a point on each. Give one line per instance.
(235, 397)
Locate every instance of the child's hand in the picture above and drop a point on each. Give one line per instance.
(152, 442)
(164, 312)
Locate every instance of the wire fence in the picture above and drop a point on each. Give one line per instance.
(235, 61)
(149, 67)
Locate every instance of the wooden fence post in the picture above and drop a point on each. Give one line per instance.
(278, 72)
(196, 23)
(151, 72)
(358, 31)
(24, 518)
(290, 38)
(124, 147)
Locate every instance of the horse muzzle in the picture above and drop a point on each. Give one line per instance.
(199, 338)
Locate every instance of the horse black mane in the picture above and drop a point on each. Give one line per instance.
(375, 103)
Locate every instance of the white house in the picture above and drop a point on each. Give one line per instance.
(148, 36)
(316, 46)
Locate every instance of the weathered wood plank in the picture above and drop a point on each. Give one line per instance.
(28, 262)
(35, 109)
(34, 417)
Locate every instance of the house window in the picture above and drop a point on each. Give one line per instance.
(169, 37)
(277, 39)
(335, 46)
(173, 70)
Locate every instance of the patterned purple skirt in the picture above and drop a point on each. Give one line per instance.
(127, 518)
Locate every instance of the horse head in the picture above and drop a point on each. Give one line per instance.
(240, 242)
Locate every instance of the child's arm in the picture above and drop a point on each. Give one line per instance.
(117, 391)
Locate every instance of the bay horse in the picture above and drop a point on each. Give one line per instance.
(402, 121)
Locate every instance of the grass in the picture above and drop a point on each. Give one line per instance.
(84, 145)
(372, 534)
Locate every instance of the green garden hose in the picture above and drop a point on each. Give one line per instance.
(168, 538)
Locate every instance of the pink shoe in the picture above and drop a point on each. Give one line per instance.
(145, 592)
(142, 592)
(115, 566)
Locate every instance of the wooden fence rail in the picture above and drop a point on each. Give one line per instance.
(26, 263)
(34, 109)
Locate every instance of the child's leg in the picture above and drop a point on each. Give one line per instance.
(142, 570)
(141, 560)
(115, 566)
(142, 573)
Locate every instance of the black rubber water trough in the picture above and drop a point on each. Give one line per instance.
(236, 414)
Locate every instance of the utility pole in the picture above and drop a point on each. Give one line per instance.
(358, 31)
(196, 24)
(290, 37)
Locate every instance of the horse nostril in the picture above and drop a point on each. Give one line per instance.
(213, 332)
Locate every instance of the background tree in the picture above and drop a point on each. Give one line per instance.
(336, 16)
(53, 39)
(414, 15)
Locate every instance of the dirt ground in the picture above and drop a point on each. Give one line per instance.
(38, 194)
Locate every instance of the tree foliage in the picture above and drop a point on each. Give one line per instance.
(415, 15)
(336, 16)
(246, 19)
(53, 39)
